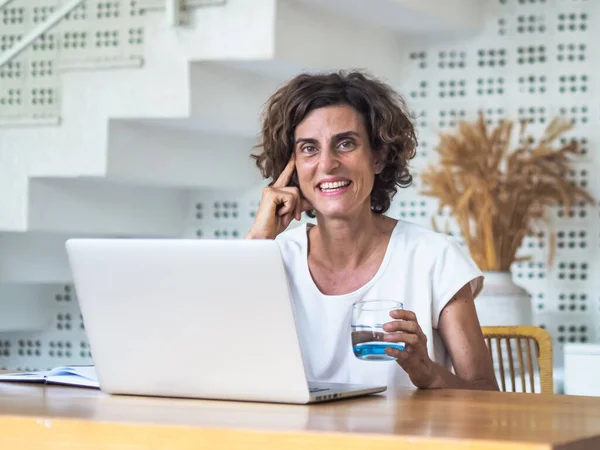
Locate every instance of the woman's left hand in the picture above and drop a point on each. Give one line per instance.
(414, 359)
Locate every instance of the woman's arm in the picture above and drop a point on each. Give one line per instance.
(460, 330)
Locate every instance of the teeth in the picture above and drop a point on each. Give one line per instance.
(334, 184)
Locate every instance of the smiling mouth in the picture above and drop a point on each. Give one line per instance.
(333, 186)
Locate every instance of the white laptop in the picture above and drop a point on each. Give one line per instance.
(208, 319)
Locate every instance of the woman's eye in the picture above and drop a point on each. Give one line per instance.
(347, 145)
(308, 149)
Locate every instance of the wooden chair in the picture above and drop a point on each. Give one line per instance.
(517, 341)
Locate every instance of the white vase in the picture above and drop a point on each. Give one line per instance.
(502, 302)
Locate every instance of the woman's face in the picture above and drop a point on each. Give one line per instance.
(334, 161)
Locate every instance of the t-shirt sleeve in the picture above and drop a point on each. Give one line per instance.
(453, 268)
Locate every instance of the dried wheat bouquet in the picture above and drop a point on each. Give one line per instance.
(498, 196)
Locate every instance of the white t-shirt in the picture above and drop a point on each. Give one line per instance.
(421, 268)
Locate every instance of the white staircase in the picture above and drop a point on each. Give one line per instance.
(133, 143)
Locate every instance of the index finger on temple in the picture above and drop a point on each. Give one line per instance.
(286, 175)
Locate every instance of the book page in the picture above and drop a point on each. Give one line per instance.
(84, 376)
(24, 376)
(73, 376)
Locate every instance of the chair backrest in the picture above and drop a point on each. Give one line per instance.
(513, 343)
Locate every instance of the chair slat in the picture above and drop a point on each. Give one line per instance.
(530, 364)
(511, 364)
(521, 365)
(501, 364)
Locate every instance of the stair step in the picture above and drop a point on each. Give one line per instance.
(104, 207)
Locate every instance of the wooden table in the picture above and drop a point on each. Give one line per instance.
(34, 416)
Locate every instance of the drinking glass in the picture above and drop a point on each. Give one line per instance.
(368, 317)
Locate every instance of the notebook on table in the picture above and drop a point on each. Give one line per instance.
(81, 376)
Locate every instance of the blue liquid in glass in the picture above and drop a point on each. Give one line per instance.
(375, 351)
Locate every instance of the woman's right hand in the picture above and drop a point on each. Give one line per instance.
(279, 205)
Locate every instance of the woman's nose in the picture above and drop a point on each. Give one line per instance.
(329, 160)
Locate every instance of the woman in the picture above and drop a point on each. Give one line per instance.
(337, 146)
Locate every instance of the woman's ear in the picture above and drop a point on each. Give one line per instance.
(380, 160)
(379, 166)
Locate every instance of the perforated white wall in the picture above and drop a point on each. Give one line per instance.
(95, 33)
(63, 342)
(535, 59)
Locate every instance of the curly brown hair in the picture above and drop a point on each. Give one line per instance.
(388, 122)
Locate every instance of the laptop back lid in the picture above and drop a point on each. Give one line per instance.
(189, 318)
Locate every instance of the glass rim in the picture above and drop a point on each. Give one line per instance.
(378, 304)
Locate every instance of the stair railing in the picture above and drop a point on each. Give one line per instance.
(52, 20)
